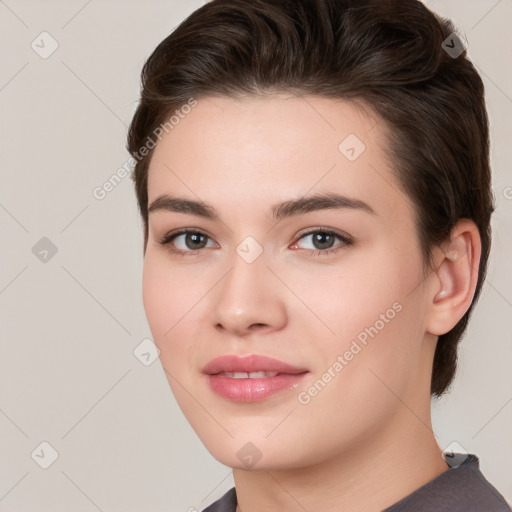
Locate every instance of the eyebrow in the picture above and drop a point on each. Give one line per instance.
(328, 201)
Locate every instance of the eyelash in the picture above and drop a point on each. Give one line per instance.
(347, 241)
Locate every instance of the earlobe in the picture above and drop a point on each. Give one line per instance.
(455, 277)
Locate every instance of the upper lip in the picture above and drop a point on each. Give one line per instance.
(251, 363)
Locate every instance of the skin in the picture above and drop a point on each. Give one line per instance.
(365, 440)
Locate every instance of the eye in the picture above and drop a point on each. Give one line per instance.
(185, 241)
(189, 242)
(322, 241)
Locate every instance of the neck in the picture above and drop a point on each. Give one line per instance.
(369, 478)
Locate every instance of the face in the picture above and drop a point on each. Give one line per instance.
(286, 332)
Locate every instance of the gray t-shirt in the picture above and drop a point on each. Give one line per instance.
(459, 489)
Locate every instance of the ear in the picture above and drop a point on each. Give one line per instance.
(454, 279)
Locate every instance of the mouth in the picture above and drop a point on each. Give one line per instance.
(249, 365)
(248, 375)
(251, 378)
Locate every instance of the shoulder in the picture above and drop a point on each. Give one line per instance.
(226, 504)
(459, 489)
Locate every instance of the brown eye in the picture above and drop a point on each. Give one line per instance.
(186, 241)
(323, 241)
(195, 240)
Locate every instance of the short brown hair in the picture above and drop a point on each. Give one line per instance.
(388, 54)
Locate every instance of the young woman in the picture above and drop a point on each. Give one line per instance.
(313, 177)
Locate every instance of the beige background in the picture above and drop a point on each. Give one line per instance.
(69, 326)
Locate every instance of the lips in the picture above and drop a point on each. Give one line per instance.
(248, 375)
(251, 378)
(249, 364)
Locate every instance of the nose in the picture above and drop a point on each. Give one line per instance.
(250, 298)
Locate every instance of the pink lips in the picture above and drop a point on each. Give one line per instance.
(225, 377)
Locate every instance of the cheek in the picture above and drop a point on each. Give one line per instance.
(381, 349)
(344, 300)
(172, 297)
(157, 301)
(365, 313)
(165, 300)
(166, 303)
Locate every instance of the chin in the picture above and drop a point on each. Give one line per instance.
(250, 450)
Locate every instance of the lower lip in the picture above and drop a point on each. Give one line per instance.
(252, 390)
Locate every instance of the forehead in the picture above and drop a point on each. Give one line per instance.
(256, 150)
